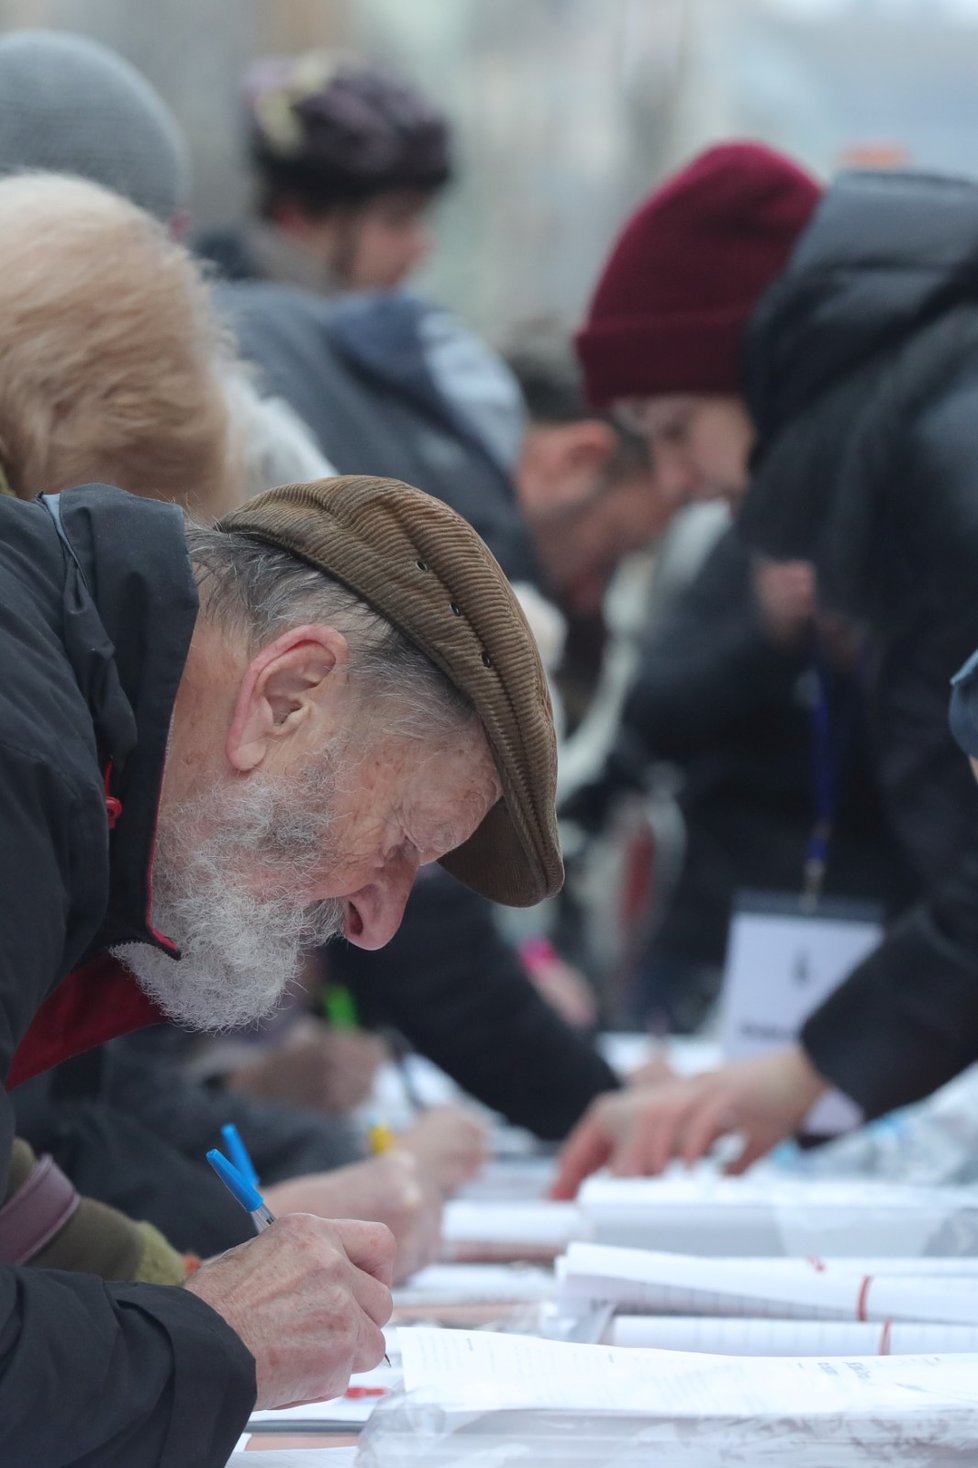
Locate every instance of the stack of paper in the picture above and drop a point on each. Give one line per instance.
(504, 1230)
(643, 1282)
(769, 1217)
(476, 1284)
(724, 1336)
(475, 1399)
(952, 1267)
(295, 1458)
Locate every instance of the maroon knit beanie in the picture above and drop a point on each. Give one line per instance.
(686, 272)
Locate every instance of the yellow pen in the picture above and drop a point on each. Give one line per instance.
(380, 1138)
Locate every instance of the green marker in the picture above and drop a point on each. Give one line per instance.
(340, 1008)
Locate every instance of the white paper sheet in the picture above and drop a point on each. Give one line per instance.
(721, 1336)
(644, 1282)
(627, 1050)
(474, 1284)
(768, 1217)
(522, 1179)
(536, 1227)
(352, 1411)
(296, 1458)
(923, 1268)
(468, 1370)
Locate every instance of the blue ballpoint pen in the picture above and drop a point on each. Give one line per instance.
(241, 1190)
(238, 1153)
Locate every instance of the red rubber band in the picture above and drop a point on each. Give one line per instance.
(863, 1298)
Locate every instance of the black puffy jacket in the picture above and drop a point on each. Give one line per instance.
(94, 631)
(715, 695)
(862, 365)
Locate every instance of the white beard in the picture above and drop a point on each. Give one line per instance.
(239, 952)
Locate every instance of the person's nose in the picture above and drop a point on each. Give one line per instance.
(374, 913)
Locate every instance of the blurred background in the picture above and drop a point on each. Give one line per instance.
(568, 110)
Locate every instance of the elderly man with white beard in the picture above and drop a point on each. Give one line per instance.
(217, 747)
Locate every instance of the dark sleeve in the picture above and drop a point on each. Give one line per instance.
(111, 1156)
(133, 1130)
(90, 1374)
(453, 987)
(906, 1020)
(38, 861)
(708, 672)
(116, 1376)
(152, 1085)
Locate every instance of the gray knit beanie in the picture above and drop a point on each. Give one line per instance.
(68, 105)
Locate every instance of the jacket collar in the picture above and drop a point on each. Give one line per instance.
(429, 358)
(130, 608)
(96, 1003)
(884, 256)
(873, 318)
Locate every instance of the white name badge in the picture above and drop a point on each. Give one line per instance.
(782, 961)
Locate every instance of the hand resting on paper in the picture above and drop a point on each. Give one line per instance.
(450, 1144)
(637, 1132)
(308, 1298)
(392, 1190)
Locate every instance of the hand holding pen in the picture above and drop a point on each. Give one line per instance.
(307, 1297)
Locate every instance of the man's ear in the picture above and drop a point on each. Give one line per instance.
(283, 686)
(561, 464)
(589, 444)
(579, 455)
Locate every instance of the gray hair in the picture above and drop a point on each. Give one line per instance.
(256, 592)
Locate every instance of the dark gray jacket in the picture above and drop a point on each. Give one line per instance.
(863, 380)
(94, 631)
(389, 384)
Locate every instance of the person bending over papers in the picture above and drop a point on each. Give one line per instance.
(218, 746)
(808, 355)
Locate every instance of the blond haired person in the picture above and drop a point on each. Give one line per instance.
(114, 364)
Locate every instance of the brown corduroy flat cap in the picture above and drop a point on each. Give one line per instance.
(424, 569)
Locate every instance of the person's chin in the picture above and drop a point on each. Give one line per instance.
(585, 598)
(731, 495)
(211, 999)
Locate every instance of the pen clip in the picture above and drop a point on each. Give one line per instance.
(238, 1153)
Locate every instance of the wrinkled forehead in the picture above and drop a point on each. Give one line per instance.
(455, 765)
(478, 769)
(455, 786)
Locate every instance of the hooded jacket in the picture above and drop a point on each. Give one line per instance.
(862, 372)
(390, 384)
(97, 608)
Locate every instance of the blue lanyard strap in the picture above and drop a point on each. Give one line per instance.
(831, 738)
